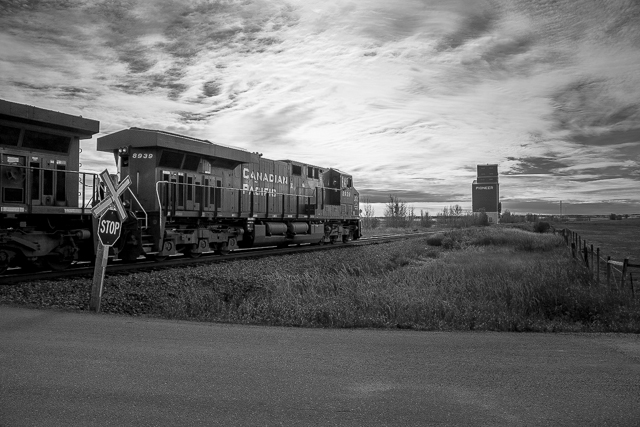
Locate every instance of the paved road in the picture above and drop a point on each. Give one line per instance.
(59, 368)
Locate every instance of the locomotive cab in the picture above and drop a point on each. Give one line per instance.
(34, 165)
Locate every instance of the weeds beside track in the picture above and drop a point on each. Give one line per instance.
(477, 278)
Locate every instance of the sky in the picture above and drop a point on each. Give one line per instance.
(408, 96)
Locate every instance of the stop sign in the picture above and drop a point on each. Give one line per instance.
(109, 227)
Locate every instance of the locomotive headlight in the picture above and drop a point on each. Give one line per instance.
(123, 152)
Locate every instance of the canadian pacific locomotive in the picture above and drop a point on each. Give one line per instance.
(187, 195)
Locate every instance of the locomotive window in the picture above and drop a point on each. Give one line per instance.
(9, 135)
(46, 141)
(170, 159)
(316, 175)
(309, 172)
(296, 170)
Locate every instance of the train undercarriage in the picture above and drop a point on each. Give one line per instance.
(224, 236)
(54, 243)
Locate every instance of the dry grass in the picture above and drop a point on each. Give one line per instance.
(481, 278)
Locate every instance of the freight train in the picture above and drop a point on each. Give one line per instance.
(187, 195)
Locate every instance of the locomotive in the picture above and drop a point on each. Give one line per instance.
(187, 195)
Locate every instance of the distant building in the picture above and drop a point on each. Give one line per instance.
(485, 192)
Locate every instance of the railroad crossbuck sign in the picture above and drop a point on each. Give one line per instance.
(112, 196)
(109, 227)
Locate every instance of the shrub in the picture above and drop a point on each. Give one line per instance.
(435, 240)
(541, 227)
(450, 243)
(481, 218)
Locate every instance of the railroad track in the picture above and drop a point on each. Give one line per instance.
(86, 269)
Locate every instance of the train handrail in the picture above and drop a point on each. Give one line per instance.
(159, 200)
(146, 221)
(83, 186)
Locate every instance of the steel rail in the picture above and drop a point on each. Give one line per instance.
(119, 267)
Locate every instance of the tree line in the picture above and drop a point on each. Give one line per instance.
(397, 214)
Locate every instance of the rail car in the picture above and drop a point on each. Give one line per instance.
(188, 196)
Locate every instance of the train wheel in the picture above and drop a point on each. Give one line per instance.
(61, 257)
(57, 263)
(5, 257)
(155, 257)
(191, 253)
(196, 249)
(222, 249)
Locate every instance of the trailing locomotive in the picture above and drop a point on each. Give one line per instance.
(187, 195)
(45, 214)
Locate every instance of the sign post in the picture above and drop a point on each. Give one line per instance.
(109, 227)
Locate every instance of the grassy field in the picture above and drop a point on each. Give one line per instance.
(617, 239)
(468, 279)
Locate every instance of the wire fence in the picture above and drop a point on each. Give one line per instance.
(617, 275)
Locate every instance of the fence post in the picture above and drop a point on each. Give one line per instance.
(573, 250)
(586, 254)
(592, 269)
(624, 272)
(598, 266)
(608, 272)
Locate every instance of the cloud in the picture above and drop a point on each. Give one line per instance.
(534, 165)
(471, 27)
(609, 137)
(408, 96)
